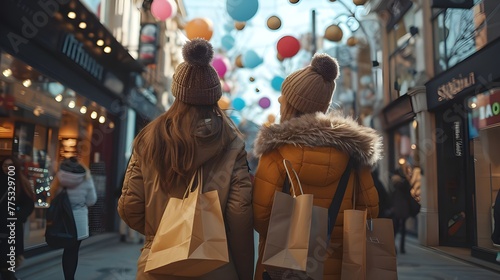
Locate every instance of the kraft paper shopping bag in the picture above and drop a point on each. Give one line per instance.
(381, 262)
(354, 245)
(296, 237)
(191, 238)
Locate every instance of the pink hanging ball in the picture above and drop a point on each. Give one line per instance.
(163, 9)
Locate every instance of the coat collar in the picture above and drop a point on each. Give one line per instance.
(323, 130)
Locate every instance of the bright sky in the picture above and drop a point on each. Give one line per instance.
(295, 21)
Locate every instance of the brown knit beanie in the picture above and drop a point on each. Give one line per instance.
(195, 81)
(310, 89)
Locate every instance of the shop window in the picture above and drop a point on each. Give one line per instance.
(485, 121)
(41, 122)
(459, 33)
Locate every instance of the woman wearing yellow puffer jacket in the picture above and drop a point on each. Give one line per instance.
(319, 145)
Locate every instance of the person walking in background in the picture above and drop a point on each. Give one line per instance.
(318, 145)
(385, 203)
(24, 202)
(401, 205)
(193, 133)
(76, 178)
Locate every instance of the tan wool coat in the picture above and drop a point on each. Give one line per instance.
(318, 147)
(143, 202)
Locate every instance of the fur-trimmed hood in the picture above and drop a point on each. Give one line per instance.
(323, 130)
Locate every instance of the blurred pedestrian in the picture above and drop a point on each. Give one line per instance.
(76, 178)
(401, 205)
(319, 145)
(194, 133)
(16, 192)
(385, 203)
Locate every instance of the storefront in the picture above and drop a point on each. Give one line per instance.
(64, 82)
(400, 126)
(464, 100)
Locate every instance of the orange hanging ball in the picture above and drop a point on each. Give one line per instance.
(199, 28)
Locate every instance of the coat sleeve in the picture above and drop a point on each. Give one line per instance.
(91, 198)
(367, 196)
(269, 177)
(239, 218)
(131, 206)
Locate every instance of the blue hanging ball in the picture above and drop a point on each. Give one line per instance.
(276, 83)
(242, 10)
(251, 59)
(227, 42)
(235, 119)
(238, 104)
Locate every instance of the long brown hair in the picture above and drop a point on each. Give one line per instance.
(168, 142)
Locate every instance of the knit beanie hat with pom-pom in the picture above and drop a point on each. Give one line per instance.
(195, 81)
(310, 89)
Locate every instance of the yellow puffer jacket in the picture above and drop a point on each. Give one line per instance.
(318, 146)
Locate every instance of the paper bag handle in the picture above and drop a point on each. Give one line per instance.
(286, 162)
(199, 174)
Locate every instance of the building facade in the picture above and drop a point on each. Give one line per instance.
(64, 84)
(441, 114)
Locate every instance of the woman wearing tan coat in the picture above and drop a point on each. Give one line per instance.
(193, 133)
(318, 145)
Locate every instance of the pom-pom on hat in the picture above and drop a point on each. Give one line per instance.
(195, 81)
(310, 89)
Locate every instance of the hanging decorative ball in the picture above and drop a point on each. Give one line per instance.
(252, 79)
(359, 2)
(276, 83)
(163, 9)
(251, 59)
(257, 90)
(221, 65)
(333, 0)
(264, 102)
(238, 62)
(227, 42)
(239, 25)
(288, 46)
(242, 10)
(199, 28)
(238, 103)
(224, 102)
(279, 57)
(271, 118)
(294, 1)
(274, 23)
(352, 41)
(333, 33)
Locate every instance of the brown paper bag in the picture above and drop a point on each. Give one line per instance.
(354, 251)
(191, 239)
(381, 262)
(296, 239)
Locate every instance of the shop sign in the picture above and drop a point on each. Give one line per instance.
(448, 90)
(73, 49)
(488, 109)
(458, 142)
